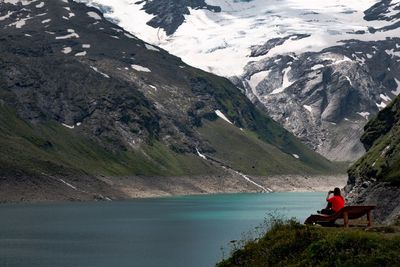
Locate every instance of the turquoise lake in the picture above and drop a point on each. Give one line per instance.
(172, 231)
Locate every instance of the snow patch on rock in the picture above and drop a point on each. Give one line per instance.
(140, 68)
(222, 116)
(93, 15)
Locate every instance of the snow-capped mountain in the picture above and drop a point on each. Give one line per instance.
(88, 110)
(204, 32)
(280, 51)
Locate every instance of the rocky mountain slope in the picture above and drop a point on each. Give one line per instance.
(385, 11)
(89, 110)
(375, 178)
(344, 37)
(325, 98)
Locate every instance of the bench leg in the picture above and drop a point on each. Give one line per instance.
(346, 219)
(369, 218)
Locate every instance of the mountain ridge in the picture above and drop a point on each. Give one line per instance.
(251, 35)
(91, 99)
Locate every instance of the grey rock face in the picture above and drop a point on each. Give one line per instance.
(385, 10)
(325, 98)
(261, 50)
(385, 196)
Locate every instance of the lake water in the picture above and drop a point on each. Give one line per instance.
(174, 231)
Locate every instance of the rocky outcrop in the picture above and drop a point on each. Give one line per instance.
(375, 178)
(326, 97)
(387, 11)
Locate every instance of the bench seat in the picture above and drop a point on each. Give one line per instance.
(347, 213)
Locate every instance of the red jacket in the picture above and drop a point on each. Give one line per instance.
(337, 203)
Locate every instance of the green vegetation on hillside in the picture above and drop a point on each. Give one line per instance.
(382, 141)
(244, 151)
(293, 244)
(54, 149)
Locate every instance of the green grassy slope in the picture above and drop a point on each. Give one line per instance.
(245, 151)
(293, 244)
(55, 149)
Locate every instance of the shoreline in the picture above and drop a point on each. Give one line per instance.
(2, 204)
(126, 188)
(140, 187)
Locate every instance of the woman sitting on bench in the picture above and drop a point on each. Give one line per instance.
(335, 203)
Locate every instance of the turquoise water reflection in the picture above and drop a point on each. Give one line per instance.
(174, 231)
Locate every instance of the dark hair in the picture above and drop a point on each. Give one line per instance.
(336, 191)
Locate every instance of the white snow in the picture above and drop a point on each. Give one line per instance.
(81, 54)
(153, 87)
(207, 37)
(85, 45)
(393, 53)
(102, 73)
(309, 108)
(348, 79)
(285, 82)
(296, 156)
(129, 35)
(222, 116)
(385, 97)
(381, 105)
(14, 2)
(72, 34)
(364, 114)
(20, 22)
(93, 15)
(66, 50)
(6, 16)
(317, 67)
(200, 155)
(264, 189)
(255, 80)
(40, 5)
(150, 47)
(397, 91)
(68, 126)
(68, 184)
(140, 68)
(46, 21)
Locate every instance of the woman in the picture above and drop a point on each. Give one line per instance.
(335, 203)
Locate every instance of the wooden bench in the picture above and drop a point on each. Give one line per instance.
(347, 213)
